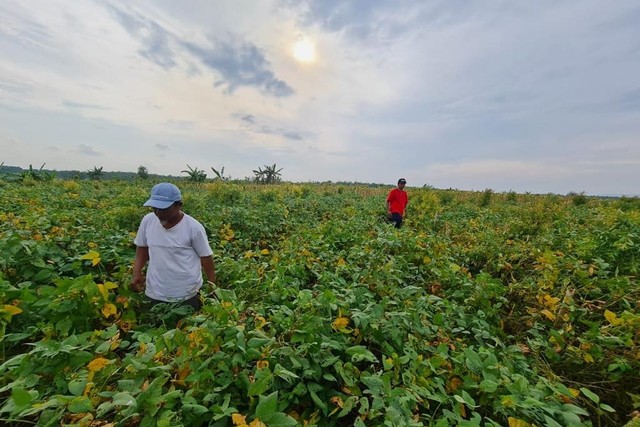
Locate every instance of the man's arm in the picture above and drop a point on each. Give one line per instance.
(142, 256)
(209, 268)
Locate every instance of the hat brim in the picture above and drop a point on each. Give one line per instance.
(158, 204)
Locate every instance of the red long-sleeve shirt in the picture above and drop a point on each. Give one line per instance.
(397, 200)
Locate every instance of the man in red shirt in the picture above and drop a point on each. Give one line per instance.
(397, 201)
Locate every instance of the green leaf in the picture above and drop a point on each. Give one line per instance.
(76, 387)
(258, 342)
(329, 377)
(313, 388)
(80, 404)
(267, 406)
(194, 408)
(574, 409)
(286, 375)
(473, 361)
(488, 386)
(591, 395)
(444, 422)
(279, 419)
(123, 399)
(374, 383)
(550, 422)
(262, 382)
(466, 399)
(21, 397)
(359, 353)
(606, 407)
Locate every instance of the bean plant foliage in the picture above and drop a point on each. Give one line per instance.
(517, 310)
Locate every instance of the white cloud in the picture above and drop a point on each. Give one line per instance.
(527, 96)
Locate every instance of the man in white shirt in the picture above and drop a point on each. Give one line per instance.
(177, 249)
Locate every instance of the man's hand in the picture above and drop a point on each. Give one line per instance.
(137, 284)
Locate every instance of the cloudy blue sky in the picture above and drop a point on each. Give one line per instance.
(538, 96)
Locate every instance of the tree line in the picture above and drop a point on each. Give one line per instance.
(268, 174)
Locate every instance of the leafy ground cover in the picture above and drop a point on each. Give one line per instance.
(485, 309)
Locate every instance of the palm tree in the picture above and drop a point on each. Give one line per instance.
(268, 175)
(195, 174)
(220, 174)
(96, 173)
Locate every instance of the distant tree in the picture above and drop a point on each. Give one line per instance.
(485, 200)
(195, 174)
(95, 174)
(36, 175)
(578, 199)
(220, 174)
(268, 175)
(143, 172)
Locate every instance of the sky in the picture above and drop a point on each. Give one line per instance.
(509, 95)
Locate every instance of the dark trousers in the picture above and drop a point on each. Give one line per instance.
(168, 314)
(194, 302)
(396, 219)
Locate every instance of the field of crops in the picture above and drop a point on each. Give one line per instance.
(483, 310)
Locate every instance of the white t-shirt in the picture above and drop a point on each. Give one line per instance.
(174, 272)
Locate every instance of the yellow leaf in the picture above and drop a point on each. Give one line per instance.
(265, 252)
(574, 392)
(340, 323)
(463, 410)
(184, 373)
(103, 291)
(455, 383)
(95, 261)
(257, 423)
(238, 419)
(87, 388)
(612, 318)
(98, 364)
(588, 358)
(550, 302)
(142, 349)
(90, 255)
(260, 322)
(508, 402)
(115, 341)
(12, 309)
(548, 314)
(110, 285)
(515, 422)
(109, 310)
(337, 400)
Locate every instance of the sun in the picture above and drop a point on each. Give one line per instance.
(304, 51)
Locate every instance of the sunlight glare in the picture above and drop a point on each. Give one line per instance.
(304, 51)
